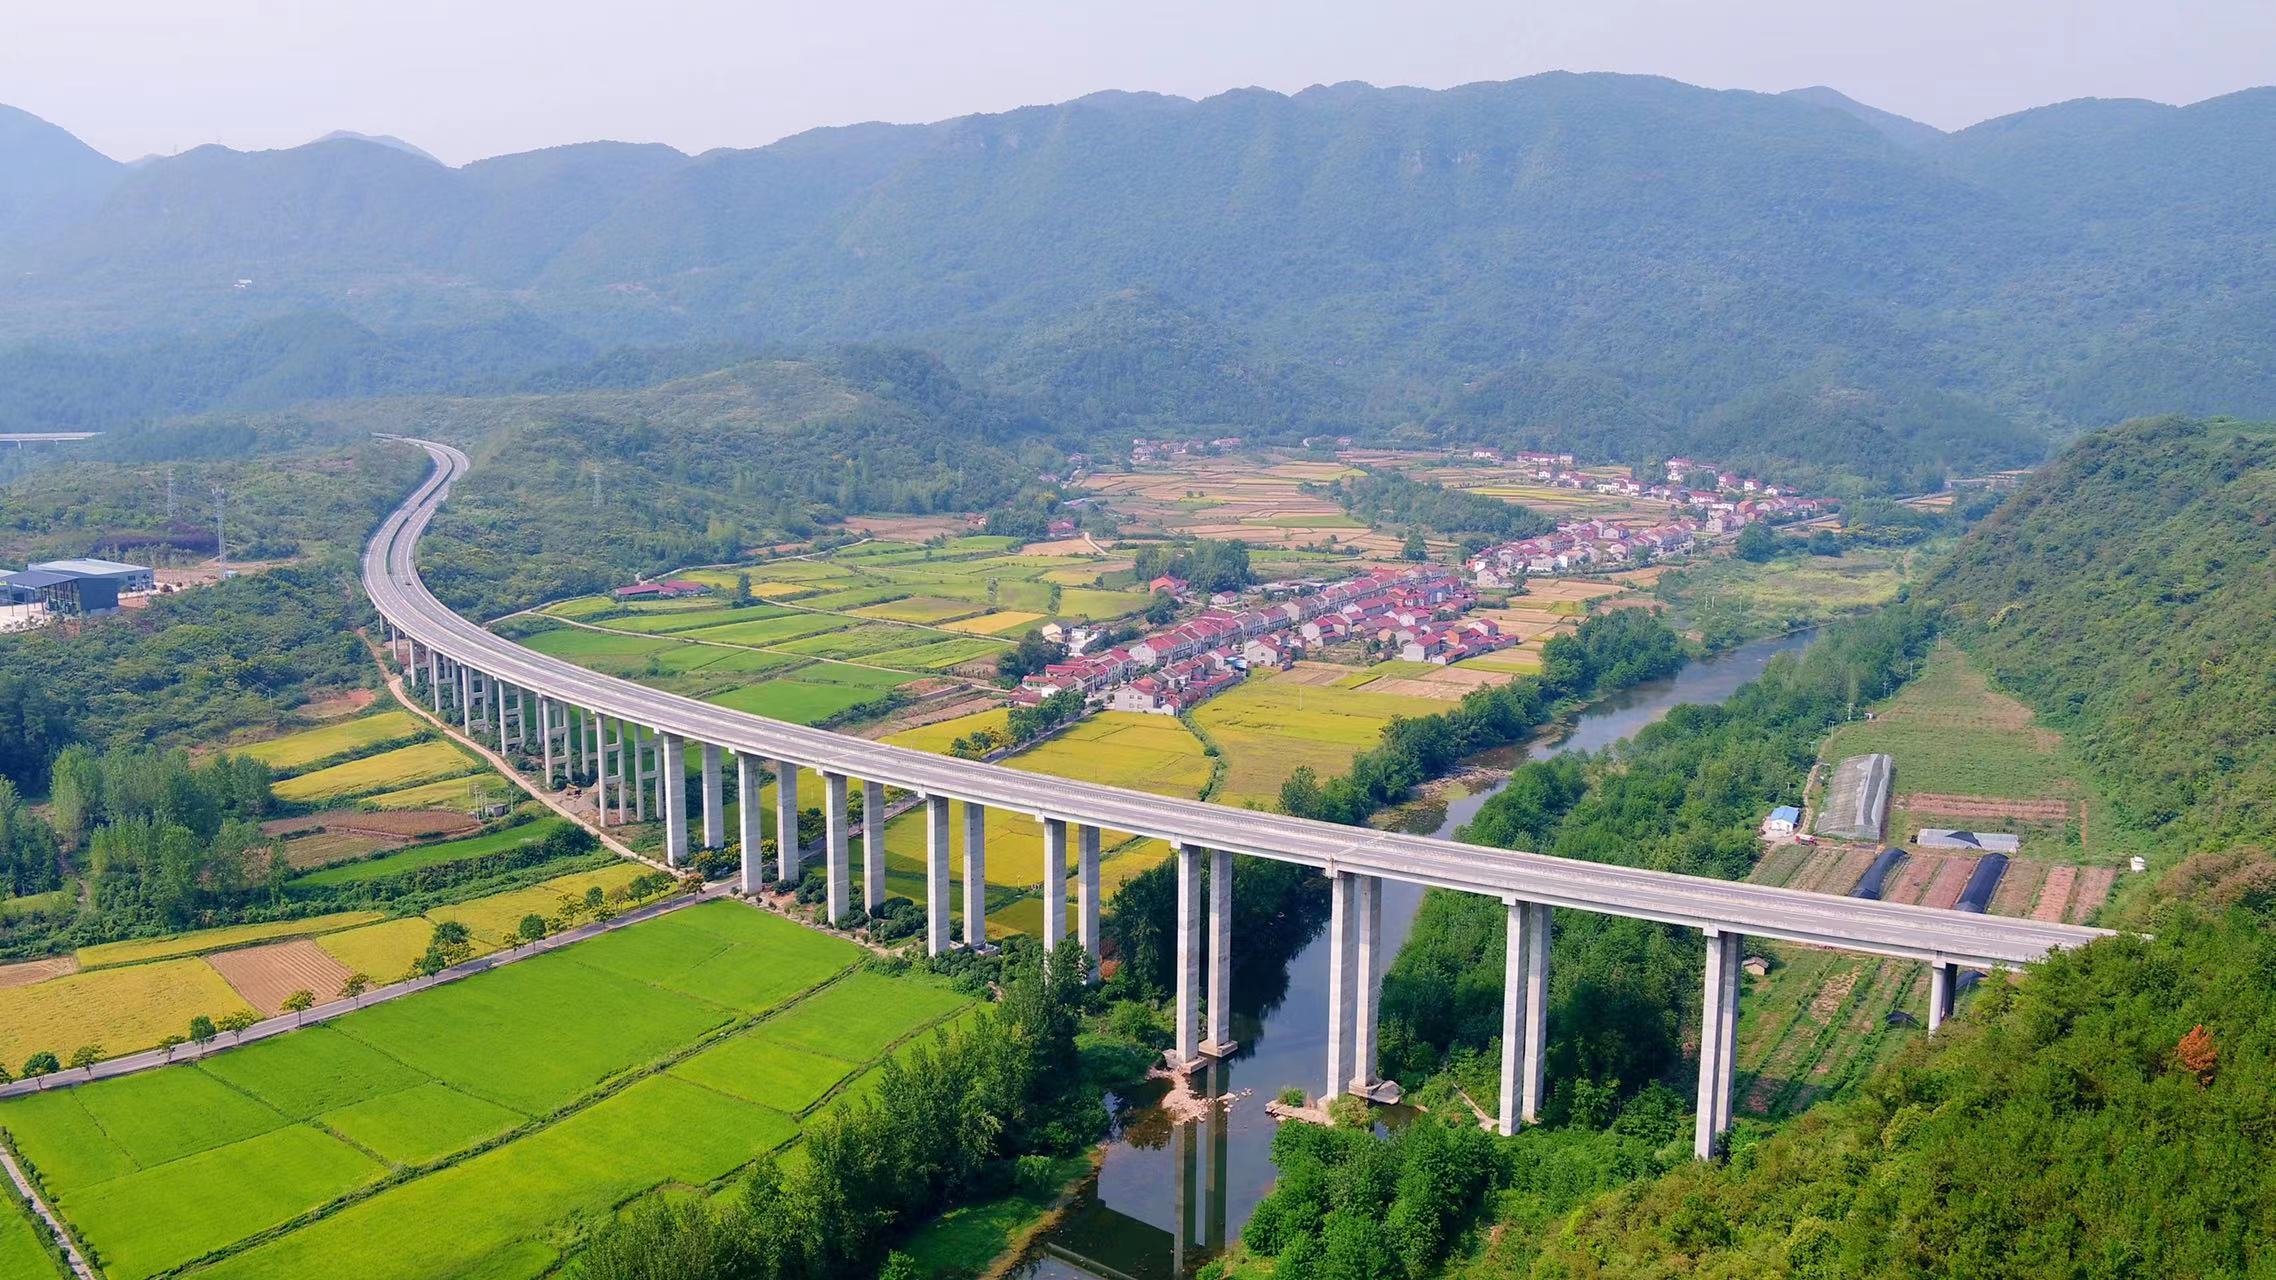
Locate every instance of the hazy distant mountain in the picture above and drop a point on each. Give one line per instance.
(47, 177)
(1621, 259)
(381, 139)
(1902, 130)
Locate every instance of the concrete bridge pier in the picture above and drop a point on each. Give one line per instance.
(714, 800)
(434, 680)
(749, 820)
(975, 874)
(936, 875)
(466, 702)
(1367, 993)
(1943, 987)
(1188, 1048)
(872, 845)
(837, 867)
(1718, 1042)
(545, 733)
(1087, 893)
(640, 774)
(624, 787)
(1219, 1042)
(1054, 884)
(1525, 1013)
(1343, 977)
(672, 795)
(786, 851)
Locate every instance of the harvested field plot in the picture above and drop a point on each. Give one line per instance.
(2019, 888)
(387, 771)
(2055, 894)
(25, 973)
(296, 751)
(266, 976)
(940, 655)
(325, 848)
(204, 940)
(2093, 890)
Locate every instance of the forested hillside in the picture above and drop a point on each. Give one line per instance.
(2129, 594)
(2106, 1115)
(1622, 264)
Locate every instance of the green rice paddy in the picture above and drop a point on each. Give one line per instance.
(672, 1053)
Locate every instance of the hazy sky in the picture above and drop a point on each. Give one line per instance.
(470, 78)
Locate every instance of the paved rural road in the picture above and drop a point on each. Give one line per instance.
(392, 580)
(54, 1224)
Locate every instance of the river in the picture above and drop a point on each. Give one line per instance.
(1169, 1197)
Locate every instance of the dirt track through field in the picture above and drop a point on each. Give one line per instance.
(266, 975)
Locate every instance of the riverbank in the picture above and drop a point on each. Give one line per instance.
(1170, 1196)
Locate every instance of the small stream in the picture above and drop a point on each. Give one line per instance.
(1169, 1197)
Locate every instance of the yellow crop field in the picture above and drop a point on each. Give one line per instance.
(419, 762)
(994, 624)
(461, 793)
(201, 941)
(494, 919)
(296, 750)
(936, 737)
(122, 1009)
(382, 951)
(1125, 749)
(1268, 728)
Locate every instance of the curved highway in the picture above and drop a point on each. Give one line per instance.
(1928, 934)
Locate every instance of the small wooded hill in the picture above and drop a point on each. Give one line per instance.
(2129, 594)
(2109, 1116)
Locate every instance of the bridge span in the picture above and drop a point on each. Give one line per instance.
(632, 742)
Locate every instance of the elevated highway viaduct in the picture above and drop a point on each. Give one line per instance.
(634, 742)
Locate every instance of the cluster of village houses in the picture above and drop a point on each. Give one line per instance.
(1419, 610)
(1579, 545)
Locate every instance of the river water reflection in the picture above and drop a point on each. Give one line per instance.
(1169, 1197)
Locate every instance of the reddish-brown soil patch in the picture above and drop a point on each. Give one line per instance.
(265, 975)
(2093, 890)
(2045, 809)
(1911, 879)
(1945, 886)
(2019, 888)
(339, 704)
(31, 971)
(328, 847)
(399, 824)
(2055, 896)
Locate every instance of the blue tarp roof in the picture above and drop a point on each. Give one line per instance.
(1787, 812)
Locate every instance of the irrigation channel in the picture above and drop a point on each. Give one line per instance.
(1170, 1196)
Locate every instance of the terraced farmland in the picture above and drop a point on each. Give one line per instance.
(669, 1054)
